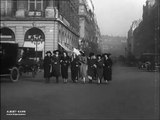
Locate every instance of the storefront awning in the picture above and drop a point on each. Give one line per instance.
(29, 44)
(64, 47)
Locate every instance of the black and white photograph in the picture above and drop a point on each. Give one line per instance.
(80, 59)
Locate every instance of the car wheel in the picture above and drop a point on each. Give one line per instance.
(14, 74)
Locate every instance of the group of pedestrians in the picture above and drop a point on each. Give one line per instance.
(95, 67)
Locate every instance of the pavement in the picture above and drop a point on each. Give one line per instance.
(131, 95)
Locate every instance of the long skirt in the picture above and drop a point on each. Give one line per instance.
(83, 70)
(100, 73)
(107, 73)
(47, 71)
(74, 73)
(64, 72)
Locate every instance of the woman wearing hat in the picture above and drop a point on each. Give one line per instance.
(64, 66)
(91, 67)
(107, 69)
(75, 64)
(56, 65)
(99, 69)
(83, 67)
(47, 66)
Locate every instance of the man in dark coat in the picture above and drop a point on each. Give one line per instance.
(107, 69)
(47, 66)
(56, 65)
(65, 61)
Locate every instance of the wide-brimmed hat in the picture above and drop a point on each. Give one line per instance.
(64, 52)
(99, 55)
(55, 51)
(108, 54)
(49, 52)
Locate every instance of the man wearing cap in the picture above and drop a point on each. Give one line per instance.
(47, 66)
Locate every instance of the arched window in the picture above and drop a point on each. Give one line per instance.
(7, 34)
(33, 33)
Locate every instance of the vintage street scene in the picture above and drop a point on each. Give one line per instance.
(80, 59)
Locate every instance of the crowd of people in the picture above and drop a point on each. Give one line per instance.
(94, 67)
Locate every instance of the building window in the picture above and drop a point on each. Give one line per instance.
(35, 5)
(6, 7)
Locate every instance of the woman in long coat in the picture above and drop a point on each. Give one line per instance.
(91, 67)
(65, 61)
(56, 65)
(75, 64)
(99, 69)
(47, 66)
(83, 66)
(107, 69)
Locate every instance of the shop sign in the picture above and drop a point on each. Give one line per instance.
(6, 37)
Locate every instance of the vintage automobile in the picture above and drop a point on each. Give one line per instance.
(8, 61)
(149, 62)
(27, 62)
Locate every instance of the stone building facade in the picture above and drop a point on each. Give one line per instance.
(89, 29)
(131, 39)
(49, 24)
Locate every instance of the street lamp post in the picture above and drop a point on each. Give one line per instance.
(36, 39)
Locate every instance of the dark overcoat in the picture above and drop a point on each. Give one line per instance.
(65, 61)
(107, 69)
(75, 64)
(47, 66)
(55, 66)
(91, 68)
(99, 69)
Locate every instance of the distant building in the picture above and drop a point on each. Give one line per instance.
(113, 44)
(145, 36)
(54, 23)
(131, 39)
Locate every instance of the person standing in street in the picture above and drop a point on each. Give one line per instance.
(75, 64)
(83, 67)
(64, 66)
(91, 67)
(47, 66)
(99, 69)
(107, 69)
(56, 65)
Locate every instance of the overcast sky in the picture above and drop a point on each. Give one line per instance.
(115, 16)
